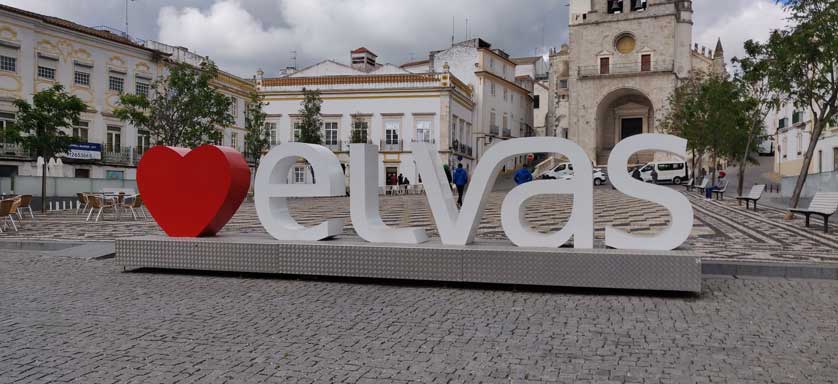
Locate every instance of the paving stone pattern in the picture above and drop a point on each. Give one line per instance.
(722, 230)
(76, 321)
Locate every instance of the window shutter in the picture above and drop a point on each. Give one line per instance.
(47, 61)
(8, 50)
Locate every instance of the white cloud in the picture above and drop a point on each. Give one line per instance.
(735, 23)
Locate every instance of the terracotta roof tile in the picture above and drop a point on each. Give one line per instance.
(73, 26)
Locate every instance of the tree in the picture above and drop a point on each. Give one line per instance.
(686, 118)
(257, 139)
(761, 99)
(184, 111)
(712, 114)
(42, 121)
(310, 121)
(802, 61)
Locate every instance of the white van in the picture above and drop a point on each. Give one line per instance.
(674, 171)
(558, 171)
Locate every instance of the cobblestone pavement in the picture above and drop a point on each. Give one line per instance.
(69, 320)
(722, 229)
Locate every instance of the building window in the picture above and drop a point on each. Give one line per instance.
(142, 86)
(782, 123)
(114, 175)
(80, 131)
(795, 117)
(638, 5)
(493, 123)
(298, 127)
(299, 175)
(835, 158)
(536, 101)
(234, 107)
(492, 62)
(505, 93)
(234, 140)
(46, 67)
(81, 173)
(143, 141)
(81, 74)
(270, 128)
(114, 139)
(615, 6)
(563, 84)
(646, 63)
(8, 57)
(116, 82)
(492, 88)
(330, 131)
(391, 132)
(360, 128)
(604, 65)
(6, 121)
(505, 124)
(423, 131)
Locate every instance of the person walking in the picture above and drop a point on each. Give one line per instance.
(522, 176)
(460, 180)
(401, 179)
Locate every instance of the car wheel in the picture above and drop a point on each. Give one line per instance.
(597, 182)
(676, 181)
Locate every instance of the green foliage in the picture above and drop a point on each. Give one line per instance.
(184, 110)
(715, 115)
(257, 138)
(310, 121)
(800, 63)
(42, 121)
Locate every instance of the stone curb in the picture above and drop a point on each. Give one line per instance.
(821, 271)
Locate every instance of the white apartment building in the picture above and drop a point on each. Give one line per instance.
(503, 104)
(388, 106)
(97, 65)
(792, 132)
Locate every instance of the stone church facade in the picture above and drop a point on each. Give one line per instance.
(623, 61)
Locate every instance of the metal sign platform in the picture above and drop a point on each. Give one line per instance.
(481, 262)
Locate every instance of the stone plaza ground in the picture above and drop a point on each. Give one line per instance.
(66, 319)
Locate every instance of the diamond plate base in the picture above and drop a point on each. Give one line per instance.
(482, 262)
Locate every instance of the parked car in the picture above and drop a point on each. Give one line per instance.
(672, 171)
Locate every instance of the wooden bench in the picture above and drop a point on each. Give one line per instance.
(823, 204)
(754, 195)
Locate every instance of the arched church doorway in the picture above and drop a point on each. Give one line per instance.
(622, 113)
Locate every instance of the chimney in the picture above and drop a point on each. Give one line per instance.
(363, 60)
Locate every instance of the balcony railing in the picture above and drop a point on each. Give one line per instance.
(415, 140)
(493, 130)
(118, 155)
(391, 146)
(461, 148)
(13, 150)
(626, 68)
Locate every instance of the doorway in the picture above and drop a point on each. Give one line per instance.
(631, 127)
(390, 174)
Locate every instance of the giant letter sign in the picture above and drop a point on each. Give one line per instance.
(363, 202)
(272, 190)
(459, 228)
(678, 205)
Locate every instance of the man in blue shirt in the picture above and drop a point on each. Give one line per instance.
(460, 180)
(523, 175)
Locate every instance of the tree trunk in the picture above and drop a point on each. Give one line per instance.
(807, 161)
(743, 164)
(44, 188)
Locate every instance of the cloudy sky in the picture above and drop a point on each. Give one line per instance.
(244, 35)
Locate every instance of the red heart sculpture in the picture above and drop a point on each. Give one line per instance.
(192, 193)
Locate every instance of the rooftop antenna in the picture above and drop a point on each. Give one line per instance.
(452, 30)
(467, 32)
(126, 16)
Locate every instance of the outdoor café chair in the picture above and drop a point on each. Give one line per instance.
(754, 195)
(133, 203)
(25, 206)
(99, 203)
(6, 214)
(83, 203)
(824, 204)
